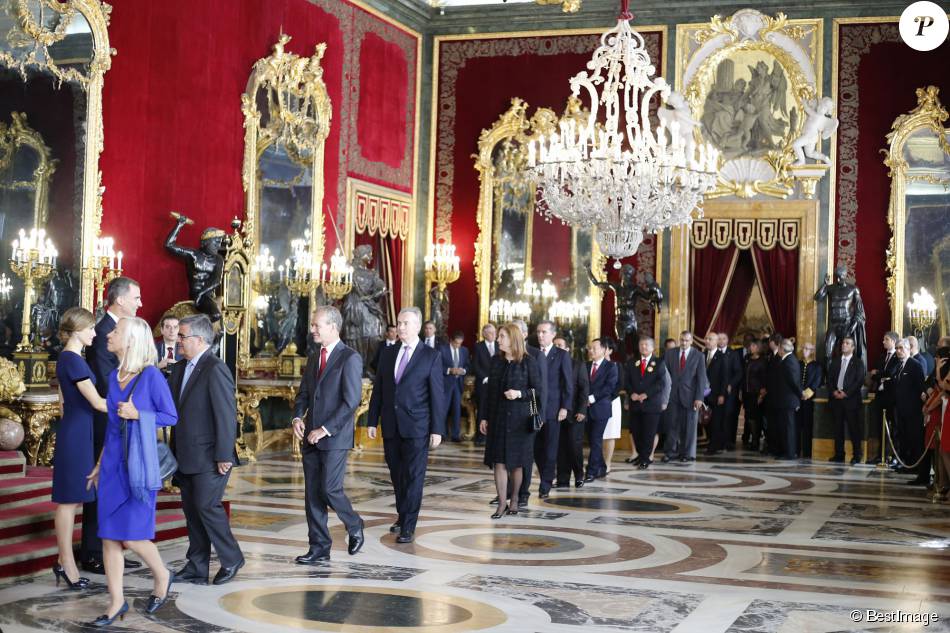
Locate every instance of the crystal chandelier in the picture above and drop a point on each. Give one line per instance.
(607, 168)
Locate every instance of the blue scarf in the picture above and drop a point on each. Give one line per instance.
(143, 457)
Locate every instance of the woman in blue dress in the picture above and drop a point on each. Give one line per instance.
(127, 474)
(73, 456)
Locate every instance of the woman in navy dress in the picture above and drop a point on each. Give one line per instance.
(127, 476)
(73, 455)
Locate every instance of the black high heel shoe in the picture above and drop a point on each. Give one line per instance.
(154, 602)
(60, 574)
(105, 620)
(500, 512)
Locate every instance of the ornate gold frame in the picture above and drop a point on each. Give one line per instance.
(97, 15)
(929, 114)
(513, 124)
(20, 134)
(284, 73)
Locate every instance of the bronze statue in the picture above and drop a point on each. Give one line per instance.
(845, 314)
(204, 266)
(364, 321)
(626, 295)
(439, 309)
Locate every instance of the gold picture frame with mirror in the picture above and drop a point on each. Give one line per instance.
(918, 159)
(287, 114)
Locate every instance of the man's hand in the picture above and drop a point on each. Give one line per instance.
(561, 415)
(721, 400)
(697, 404)
(316, 435)
(512, 394)
(579, 417)
(224, 467)
(299, 428)
(483, 427)
(371, 432)
(162, 364)
(434, 440)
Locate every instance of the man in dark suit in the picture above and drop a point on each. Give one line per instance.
(430, 337)
(687, 369)
(570, 446)
(783, 391)
(812, 377)
(203, 443)
(925, 358)
(733, 380)
(646, 385)
(908, 409)
(391, 338)
(882, 386)
(408, 401)
(559, 397)
(123, 299)
(603, 388)
(481, 359)
(845, 378)
(324, 416)
(718, 371)
(167, 346)
(455, 363)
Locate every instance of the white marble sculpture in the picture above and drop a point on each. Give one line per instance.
(678, 120)
(820, 124)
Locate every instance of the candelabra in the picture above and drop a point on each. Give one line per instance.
(503, 311)
(337, 280)
(6, 287)
(299, 269)
(262, 273)
(33, 260)
(442, 264)
(569, 314)
(104, 265)
(923, 314)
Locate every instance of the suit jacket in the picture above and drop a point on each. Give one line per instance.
(453, 382)
(718, 372)
(331, 400)
(581, 390)
(652, 382)
(416, 406)
(908, 385)
(603, 388)
(853, 379)
(733, 358)
(927, 361)
(536, 354)
(689, 384)
(160, 350)
(783, 384)
(207, 415)
(812, 375)
(887, 372)
(559, 383)
(374, 365)
(101, 361)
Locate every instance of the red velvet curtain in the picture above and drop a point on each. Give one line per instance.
(391, 251)
(712, 270)
(777, 270)
(737, 295)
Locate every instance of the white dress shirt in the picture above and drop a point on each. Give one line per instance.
(845, 361)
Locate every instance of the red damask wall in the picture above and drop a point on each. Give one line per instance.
(877, 79)
(174, 137)
(477, 79)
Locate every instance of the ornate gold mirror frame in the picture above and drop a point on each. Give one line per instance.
(297, 117)
(928, 117)
(18, 135)
(511, 132)
(90, 79)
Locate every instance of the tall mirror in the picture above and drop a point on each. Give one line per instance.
(53, 56)
(919, 256)
(287, 115)
(527, 266)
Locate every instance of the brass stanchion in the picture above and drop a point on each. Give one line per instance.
(883, 463)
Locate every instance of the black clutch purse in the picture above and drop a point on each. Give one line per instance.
(535, 416)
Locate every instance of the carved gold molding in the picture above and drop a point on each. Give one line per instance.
(20, 134)
(766, 233)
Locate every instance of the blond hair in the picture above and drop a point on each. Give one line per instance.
(516, 345)
(75, 320)
(139, 347)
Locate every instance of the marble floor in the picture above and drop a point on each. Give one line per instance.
(734, 543)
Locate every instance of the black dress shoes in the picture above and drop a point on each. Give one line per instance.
(523, 502)
(132, 564)
(186, 575)
(312, 557)
(837, 459)
(404, 537)
(544, 495)
(356, 541)
(227, 574)
(578, 483)
(395, 528)
(558, 484)
(93, 566)
(667, 459)
(588, 479)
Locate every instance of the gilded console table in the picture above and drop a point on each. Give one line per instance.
(37, 409)
(471, 407)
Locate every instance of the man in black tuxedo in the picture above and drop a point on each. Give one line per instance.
(408, 401)
(391, 338)
(603, 388)
(649, 395)
(455, 359)
(570, 446)
(559, 397)
(324, 417)
(203, 443)
(733, 380)
(481, 359)
(783, 391)
(908, 408)
(718, 371)
(882, 386)
(123, 299)
(845, 378)
(812, 376)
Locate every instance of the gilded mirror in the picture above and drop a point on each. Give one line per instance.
(287, 114)
(520, 255)
(53, 56)
(919, 213)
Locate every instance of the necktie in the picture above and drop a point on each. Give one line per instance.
(491, 349)
(403, 362)
(844, 369)
(455, 357)
(323, 362)
(682, 360)
(593, 371)
(190, 367)
(643, 367)
(171, 353)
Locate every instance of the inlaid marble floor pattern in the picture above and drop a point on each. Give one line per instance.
(734, 544)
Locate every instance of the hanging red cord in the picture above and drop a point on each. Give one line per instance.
(625, 13)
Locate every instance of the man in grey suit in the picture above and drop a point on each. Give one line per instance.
(688, 374)
(325, 413)
(203, 443)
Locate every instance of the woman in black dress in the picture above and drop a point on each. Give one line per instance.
(752, 384)
(505, 413)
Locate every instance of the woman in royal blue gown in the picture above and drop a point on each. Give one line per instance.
(127, 474)
(73, 456)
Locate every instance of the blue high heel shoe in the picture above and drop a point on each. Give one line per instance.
(154, 602)
(60, 573)
(105, 620)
